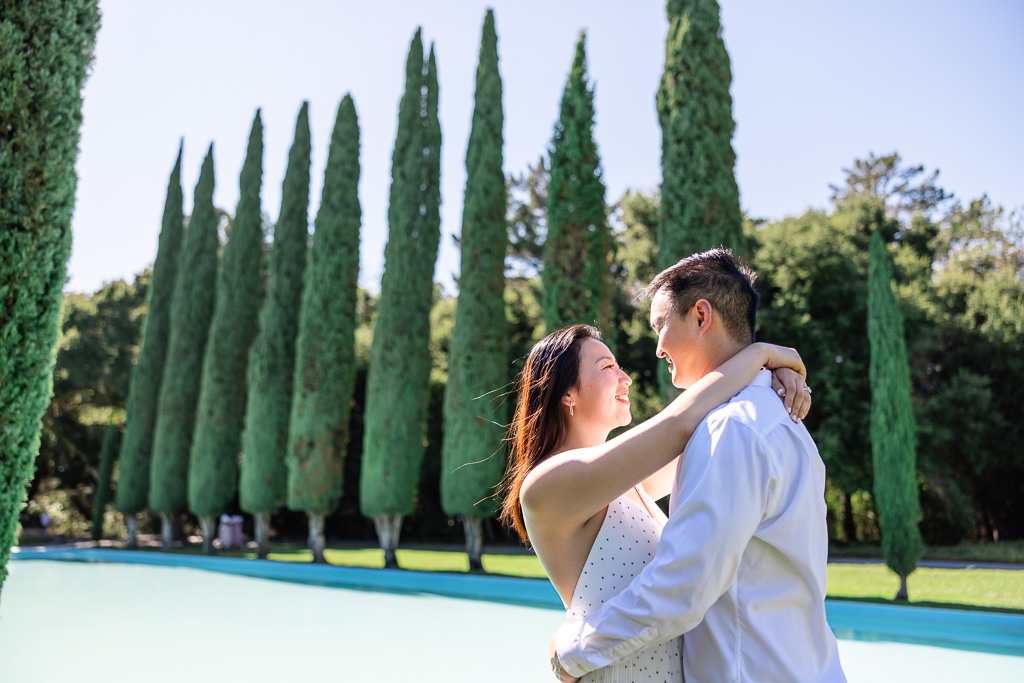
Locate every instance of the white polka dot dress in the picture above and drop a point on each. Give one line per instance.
(626, 542)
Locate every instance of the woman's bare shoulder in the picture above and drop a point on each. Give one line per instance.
(543, 479)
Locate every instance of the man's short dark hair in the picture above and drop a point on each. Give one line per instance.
(718, 276)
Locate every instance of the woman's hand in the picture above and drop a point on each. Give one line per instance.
(556, 666)
(794, 392)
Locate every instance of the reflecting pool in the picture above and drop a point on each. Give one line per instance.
(63, 621)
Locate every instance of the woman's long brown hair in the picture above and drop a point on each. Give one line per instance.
(552, 369)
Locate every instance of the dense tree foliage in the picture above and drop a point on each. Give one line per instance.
(578, 247)
(958, 276)
(325, 363)
(264, 476)
(893, 443)
(111, 445)
(395, 421)
(191, 311)
(45, 54)
(473, 450)
(137, 444)
(213, 464)
(527, 220)
(100, 335)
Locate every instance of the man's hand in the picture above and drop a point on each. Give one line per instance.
(556, 666)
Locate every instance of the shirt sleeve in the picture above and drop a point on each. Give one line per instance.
(723, 484)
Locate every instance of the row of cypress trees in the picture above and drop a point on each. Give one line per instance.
(187, 410)
(285, 404)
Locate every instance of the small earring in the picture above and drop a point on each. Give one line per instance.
(570, 410)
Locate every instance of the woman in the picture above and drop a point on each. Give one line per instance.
(587, 505)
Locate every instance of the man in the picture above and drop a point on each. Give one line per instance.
(741, 565)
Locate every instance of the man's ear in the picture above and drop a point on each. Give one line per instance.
(704, 314)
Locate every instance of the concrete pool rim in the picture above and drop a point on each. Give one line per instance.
(991, 632)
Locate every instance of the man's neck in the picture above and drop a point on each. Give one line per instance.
(723, 352)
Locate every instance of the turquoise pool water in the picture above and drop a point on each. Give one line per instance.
(86, 621)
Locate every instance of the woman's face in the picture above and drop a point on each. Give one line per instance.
(601, 398)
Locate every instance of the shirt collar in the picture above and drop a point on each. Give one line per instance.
(762, 379)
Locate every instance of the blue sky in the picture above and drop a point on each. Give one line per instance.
(816, 84)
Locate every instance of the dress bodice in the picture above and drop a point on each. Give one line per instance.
(624, 545)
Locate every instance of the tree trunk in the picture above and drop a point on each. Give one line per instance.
(208, 525)
(388, 529)
(262, 526)
(132, 523)
(167, 530)
(474, 541)
(316, 536)
(902, 594)
(849, 525)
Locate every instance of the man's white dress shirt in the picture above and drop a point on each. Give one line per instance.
(741, 564)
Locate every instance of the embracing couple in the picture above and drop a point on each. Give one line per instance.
(731, 585)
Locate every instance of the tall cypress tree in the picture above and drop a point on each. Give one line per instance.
(108, 451)
(892, 423)
(700, 201)
(45, 53)
(398, 381)
(578, 250)
(472, 451)
(264, 476)
(325, 365)
(191, 310)
(213, 467)
(144, 389)
(700, 204)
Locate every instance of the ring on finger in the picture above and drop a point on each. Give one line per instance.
(807, 389)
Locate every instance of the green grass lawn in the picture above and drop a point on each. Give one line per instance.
(954, 587)
(990, 588)
(985, 588)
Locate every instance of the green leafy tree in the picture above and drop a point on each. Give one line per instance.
(264, 476)
(578, 248)
(45, 54)
(892, 423)
(325, 363)
(191, 310)
(969, 361)
(100, 334)
(638, 216)
(213, 467)
(111, 443)
(635, 220)
(474, 412)
(398, 388)
(700, 201)
(527, 220)
(137, 444)
(812, 277)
